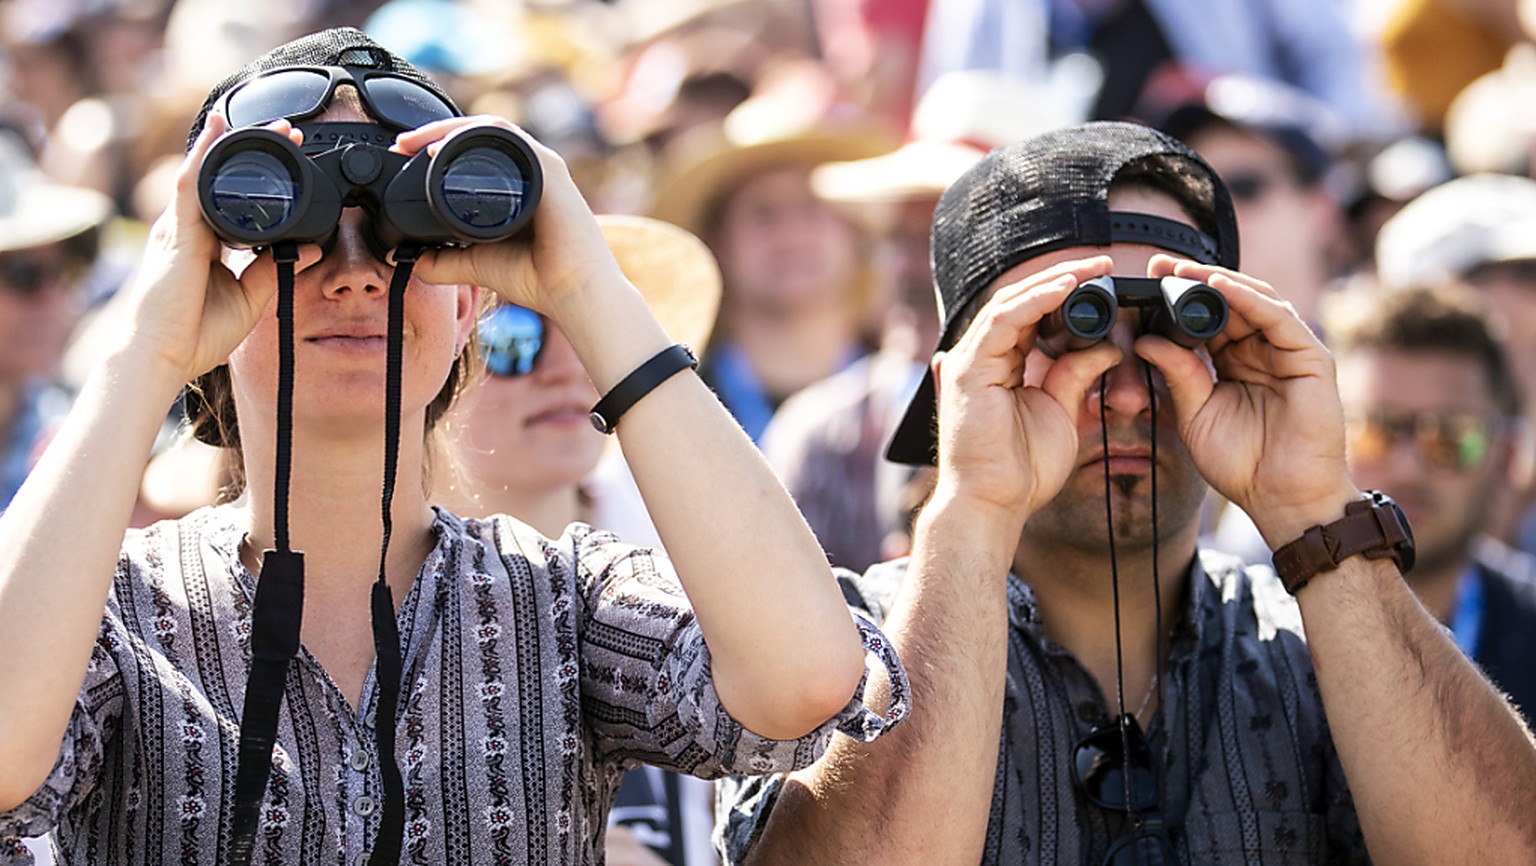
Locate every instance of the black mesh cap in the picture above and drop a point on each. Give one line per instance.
(339, 46)
(1047, 193)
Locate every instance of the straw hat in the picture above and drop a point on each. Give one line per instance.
(797, 124)
(35, 211)
(960, 117)
(1489, 126)
(674, 271)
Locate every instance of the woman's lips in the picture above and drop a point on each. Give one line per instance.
(356, 344)
(567, 415)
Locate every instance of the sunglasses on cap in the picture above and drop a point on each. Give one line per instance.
(1103, 770)
(1445, 441)
(511, 340)
(298, 92)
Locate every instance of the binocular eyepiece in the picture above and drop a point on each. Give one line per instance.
(257, 187)
(1185, 311)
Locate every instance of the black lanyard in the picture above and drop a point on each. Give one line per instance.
(277, 612)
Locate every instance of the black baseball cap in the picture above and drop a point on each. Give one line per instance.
(1047, 193)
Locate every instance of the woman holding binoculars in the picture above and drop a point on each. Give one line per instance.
(167, 703)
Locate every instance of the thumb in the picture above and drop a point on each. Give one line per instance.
(1071, 375)
(1189, 380)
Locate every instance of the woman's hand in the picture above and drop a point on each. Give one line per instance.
(563, 253)
(188, 308)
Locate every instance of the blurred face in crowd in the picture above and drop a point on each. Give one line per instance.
(784, 252)
(1285, 226)
(40, 301)
(1425, 427)
(529, 433)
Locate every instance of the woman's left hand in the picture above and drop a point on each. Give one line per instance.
(560, 253)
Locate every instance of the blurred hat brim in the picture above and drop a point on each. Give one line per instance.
(673, 270)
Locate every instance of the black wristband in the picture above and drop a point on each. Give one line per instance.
(661, 367)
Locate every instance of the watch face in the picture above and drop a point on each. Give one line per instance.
(1406, 548)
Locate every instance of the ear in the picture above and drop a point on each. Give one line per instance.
(467, 314)
(1520, 451)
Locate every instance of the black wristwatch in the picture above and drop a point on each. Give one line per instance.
(1374, 526)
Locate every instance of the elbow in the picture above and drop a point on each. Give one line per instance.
(810, 698)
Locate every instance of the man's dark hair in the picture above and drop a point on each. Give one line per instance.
(1449, 319)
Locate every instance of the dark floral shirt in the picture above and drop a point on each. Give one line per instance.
(536, 671)
(1248, 771)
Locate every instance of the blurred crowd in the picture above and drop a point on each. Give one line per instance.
(1372, 147)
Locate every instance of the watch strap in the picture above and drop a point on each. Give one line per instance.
(1366, 528)
(661, 367)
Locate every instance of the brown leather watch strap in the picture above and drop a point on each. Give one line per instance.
(1365, 528)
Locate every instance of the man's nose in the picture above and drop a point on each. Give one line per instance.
(1123, 390)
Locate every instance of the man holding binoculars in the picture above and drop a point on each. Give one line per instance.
(1087, 686)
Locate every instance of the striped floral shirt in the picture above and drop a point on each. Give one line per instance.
(1248, 769)
(535, 672)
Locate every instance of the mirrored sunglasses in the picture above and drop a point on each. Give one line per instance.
(1448, 442)
(298, 92)
(511, 340)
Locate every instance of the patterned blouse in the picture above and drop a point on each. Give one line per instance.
(535, 672)
(1248, 769)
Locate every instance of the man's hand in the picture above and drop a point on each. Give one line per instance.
(1006, 439)
(1267, 431)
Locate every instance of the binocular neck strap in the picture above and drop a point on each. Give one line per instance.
(386, 633)
(278, 609)
(1114, 572)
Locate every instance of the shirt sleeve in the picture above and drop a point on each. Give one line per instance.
(743, 803)
(647, 685)
(96, 716)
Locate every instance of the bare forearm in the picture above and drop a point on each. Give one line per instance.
(62, 534)
(1441, 768)
(785, 653)
(921, 794)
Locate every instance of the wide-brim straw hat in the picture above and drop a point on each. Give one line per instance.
(761, 134)
(35, 211)
(960, 117)
(673, 270)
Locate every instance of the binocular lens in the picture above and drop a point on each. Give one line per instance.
(484, 188)
(254, 191)
(1088, 316)
(1200, 317)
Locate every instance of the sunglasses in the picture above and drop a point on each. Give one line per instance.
(1103, 769)
(511, 340)
(1448, 442)
(28, 274)
(1249, 185)
(298, 92)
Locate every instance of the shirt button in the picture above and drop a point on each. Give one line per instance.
(360, 760)
(362, 859)
(371, 717)
(363, 805)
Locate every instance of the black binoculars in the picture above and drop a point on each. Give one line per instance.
(257, 187)
(1183, 310)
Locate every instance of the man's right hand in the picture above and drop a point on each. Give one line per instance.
(1008, 435)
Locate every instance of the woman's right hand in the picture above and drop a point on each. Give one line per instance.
(189, 310)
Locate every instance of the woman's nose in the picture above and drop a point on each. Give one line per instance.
(350, 264)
